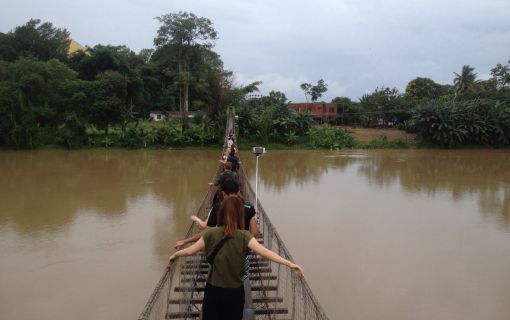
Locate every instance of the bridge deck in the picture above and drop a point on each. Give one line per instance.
(272, 291)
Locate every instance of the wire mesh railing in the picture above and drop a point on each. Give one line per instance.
(284, 295)
(277, 293)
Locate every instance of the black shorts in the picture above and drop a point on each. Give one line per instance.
(223, 303)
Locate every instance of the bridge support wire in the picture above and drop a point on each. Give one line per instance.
(276, 292)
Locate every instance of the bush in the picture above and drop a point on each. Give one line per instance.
(451, 123)
(326, 136)
(408, 126)
(142, 136)
(72, 133)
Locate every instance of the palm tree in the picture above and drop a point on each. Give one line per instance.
(464, 81)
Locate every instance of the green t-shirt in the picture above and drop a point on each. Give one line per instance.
(228, 266)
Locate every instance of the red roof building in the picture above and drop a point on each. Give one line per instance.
(320, 110)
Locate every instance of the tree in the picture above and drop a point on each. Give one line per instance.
(109, 105)
(187, 33)
(237, 95)
(349, 110)
(421, 89)
(306, 87)
(315, 92)
(42, 41)
(102, 58)
(146, 54)
(501, 75)
(35, 98)
(384, 105)
(7, 52)
(465, 81)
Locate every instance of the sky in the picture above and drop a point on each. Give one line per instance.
(354, 45)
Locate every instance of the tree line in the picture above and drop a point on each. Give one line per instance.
(51, 97)
(102, 96)
(470, 111)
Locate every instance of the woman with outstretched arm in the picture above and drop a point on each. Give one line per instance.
(226, 247)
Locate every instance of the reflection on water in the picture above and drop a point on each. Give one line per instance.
(41, 190)
(476, 173)
(484, 175)
(86, 234)
(415, 234)
(279, 169)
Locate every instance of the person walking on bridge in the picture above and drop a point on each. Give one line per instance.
(226, 247)
(230, 188)
(232, 158)
(226, 174)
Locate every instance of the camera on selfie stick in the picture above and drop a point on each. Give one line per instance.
(258, 151)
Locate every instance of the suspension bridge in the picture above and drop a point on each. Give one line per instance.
(272, 291)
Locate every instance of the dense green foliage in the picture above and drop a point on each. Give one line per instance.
(271, 120)
(383, 107)
(451, 123)
(48, 97)
(170, 133)
(469, 112)
(327, 136)
(102, 97)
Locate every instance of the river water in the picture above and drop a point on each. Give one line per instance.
(414, 234)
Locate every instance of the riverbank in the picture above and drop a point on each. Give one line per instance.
(365, 135)
(360, 138)
(364, 138)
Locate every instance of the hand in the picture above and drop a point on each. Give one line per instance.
(194, 218)
(179, 244)
(297, 270)
(172, 258)
(210, 183)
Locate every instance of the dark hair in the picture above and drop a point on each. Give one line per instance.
(231, 215)
(218, 197)
(232, 151)
(228, 165)
(229, 186)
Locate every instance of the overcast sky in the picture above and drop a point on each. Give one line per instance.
(354, 45)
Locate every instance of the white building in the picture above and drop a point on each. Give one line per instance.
(158, 115)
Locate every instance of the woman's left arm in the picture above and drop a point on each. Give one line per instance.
(273, 256)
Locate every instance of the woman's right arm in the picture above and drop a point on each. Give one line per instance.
(268, 254)
(194, 248)
(193, 238)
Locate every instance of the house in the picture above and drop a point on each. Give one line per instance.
(321, 112)
(158, 115)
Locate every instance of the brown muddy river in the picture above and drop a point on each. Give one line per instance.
(418, 234)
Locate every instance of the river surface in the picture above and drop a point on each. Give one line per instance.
(418, 234)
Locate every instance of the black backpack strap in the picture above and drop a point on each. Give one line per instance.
(210, 258)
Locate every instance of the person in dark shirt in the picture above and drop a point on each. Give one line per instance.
(226, 174)
(230, 188)
(249, 214)
(234, 159)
